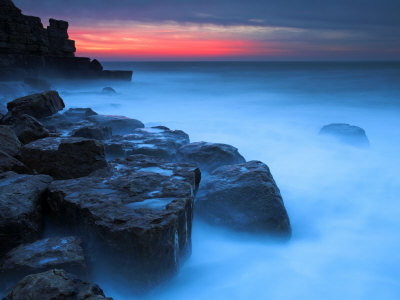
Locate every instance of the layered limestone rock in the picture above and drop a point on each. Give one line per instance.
(27, 49)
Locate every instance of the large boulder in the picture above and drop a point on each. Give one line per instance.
(136, 216)
(64, 158)
(346, 133)
(20, 208)
(243, 197)
(55, 284)
(209, 156)
(9, 142)
(37, 105)
(119, 124)
(64, 253)
(9, 163)
(27, 128)
(156, 141)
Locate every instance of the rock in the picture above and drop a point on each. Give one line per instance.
(64, 158)
(96, 66)
(20, 213)
(156, 141)
(28, 49)
(136, 217)
(209, 156)
(77, 114)
(117, 75)
(37, 84)
(27, 128)
(37, 105)
(243, 197)
(9, 163)
(108, 91)
(55, 284)
(345, 133)
(93, 132)
(71, 120)
(63, 253)
(119, 124)
(9, 142)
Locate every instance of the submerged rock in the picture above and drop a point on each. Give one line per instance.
(65, 253)
(119, 124)
(108, 91)
(20, 203)
(136, 217)
(209, 156)
(55, 284)
(346, 133)
(156, 141)
(9, 163)
(64, 158)
(37, 105)
(93, 132)
(243, 197)
(9, 142)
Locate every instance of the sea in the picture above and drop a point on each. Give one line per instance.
(343, 201)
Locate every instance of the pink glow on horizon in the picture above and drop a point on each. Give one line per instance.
(174, 42)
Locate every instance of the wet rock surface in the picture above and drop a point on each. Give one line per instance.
(119, 124)
(64, 253)
(156, 141)
(20, 208)
(346, 133)
(9, 142)
(243, 197)
(138, 213)
(64, 158)
(55, 284)
(209, 156)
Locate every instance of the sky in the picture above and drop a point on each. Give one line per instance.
(228, 29)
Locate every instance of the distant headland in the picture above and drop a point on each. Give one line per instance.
(27, 49)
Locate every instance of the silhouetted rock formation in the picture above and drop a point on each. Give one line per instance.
(28, 49)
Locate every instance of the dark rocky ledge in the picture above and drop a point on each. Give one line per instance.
(129, 193)
(27, 49)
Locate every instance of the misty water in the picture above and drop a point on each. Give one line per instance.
(343, 202)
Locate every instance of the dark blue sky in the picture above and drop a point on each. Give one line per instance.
(307, 29)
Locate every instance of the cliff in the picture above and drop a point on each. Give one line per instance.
(28, 49)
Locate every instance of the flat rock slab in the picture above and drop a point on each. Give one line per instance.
(9, 142)
(155, 141)
(65, 253)
(64, 158)
(55, 284)
(209, 156)
(346, 133)
(138, 214)
(37, 105)
(119, 124)
(243, 197)
(20, 208)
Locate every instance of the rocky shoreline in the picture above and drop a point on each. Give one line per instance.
(86, 193)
